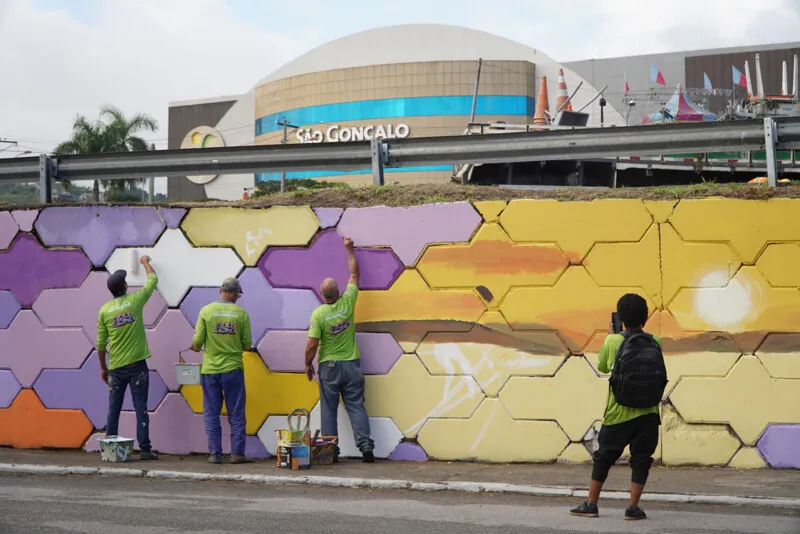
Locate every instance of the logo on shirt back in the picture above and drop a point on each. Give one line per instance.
(123, 319)
(225, 328)
(338, 328)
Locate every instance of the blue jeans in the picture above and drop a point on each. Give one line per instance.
(345, 379)
(229, 386)
(137, 375)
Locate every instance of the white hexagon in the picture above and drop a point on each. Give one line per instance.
(179, 265)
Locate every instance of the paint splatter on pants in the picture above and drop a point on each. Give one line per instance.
(230, 387)
(345, 379)
(136, 375)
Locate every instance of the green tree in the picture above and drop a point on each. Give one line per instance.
(112, 132)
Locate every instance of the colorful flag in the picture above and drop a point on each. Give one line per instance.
(739, 78)
(656, 76)
(627, 87)
(707, 82)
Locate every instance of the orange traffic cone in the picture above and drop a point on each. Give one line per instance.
(542, 104)
(563, 93)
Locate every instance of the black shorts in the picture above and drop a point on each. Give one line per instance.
(641, 434)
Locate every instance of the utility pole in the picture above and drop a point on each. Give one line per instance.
(151, 182)
(285, 140)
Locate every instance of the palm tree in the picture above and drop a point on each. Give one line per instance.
(113, 132)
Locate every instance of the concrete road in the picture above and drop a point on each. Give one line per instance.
(95, 505)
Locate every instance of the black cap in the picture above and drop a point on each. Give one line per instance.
(116, 282)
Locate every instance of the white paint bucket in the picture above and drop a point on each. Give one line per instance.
(188, 373)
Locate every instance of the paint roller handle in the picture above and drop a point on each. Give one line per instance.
(180, 356)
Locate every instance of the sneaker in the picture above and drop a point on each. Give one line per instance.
(633, 513)
(215, 459)
(586, 509)
(368, 456)
(149, 455)
(240, 459)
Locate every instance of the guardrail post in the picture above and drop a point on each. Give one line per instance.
(45, 179)
(770, 138)
(378, 160)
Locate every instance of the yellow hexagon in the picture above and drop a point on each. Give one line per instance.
(576, 226)
(267, 393)
(575, 453)
(410, 395)
(779, 263)
(490, 210)
(746, 304)
(575, 397)
(410, 309)
(746, 224)
(748, 399)
(250, 231)
(700, 265)
(685, 444)
(547, 343)
(780, 354)
(628, 264)
(748, 458)
(490, 435)
(575, 307)
(492, 260)
(660, 209)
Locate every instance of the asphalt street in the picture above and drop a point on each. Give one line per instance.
(37, 504)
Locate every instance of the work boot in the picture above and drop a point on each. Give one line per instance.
(368, 456)
(215, 459)
(148, 455)
(586, 509)
(240, 459)
(633, 513)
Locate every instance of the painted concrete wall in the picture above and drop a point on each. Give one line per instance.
(504, 373)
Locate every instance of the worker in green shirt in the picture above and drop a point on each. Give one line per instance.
(120, 332)
(223, 329)
(332, 331)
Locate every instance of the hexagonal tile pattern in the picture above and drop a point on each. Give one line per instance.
(179, 265)
(98, 230)
(685, 444)
(170, 336)
(28, 348)
(410, 309)
(575, 453)
(545, 343)
(575, 307)
(780, 355)
(408, 452)
(25, 219)
(267, 393)
(747, 398)
(748, 458)
(9, 387)
(26, 268)
(269, 308)
(490, 210)
(492, 260)
(82, 389)
(250, 231)
(9, 307)
(474, 354)
(328, 217)
(485, 437)
(411, 396)
(408, 230)
(576, 226)
(555, 398)
(172, 217)
(8, 229)
(746, 304)
(660, 209)
(78, 307)
(326, 257)
(779, 446)
(27, 424)
(747, 225)
(776, 261)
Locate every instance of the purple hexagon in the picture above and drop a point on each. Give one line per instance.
(25, 219)
(99, 229)
(328, 217)
(269, 308)
(172, 216)
(9, 387)
(78, 307)
(9, 307)
(255, 449)
(172, 334)
(83, 389)
(298, 267)
(779, 446)
(27, 268)
(8, 228)
(408, 452)
(28, 348)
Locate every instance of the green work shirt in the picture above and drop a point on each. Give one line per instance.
(120, 326)
(334, 326)
(224, 329)
(616, 413)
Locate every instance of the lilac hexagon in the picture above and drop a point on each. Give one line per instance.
(28, 348)
(172, 334)
(9, 387)
(300, 267)
(99, 229)
(779, 446)
(328, 217)
(8, 229)
(83, 389)
(408, 452)
(9, 307)
(27, 268)
(269, 308)
(25, 219)
(172, 216)
(78, 307)
(283, 351)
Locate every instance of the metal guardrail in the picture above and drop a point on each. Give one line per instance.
(580, 144)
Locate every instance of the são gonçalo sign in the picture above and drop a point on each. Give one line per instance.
(344, 134)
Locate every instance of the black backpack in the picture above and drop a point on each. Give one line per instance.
(639, 376)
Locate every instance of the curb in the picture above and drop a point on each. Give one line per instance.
(389, 484)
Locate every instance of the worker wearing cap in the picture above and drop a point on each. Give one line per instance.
(223, 330)
(120, 329)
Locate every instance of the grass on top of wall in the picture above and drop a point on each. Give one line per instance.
(410, 195)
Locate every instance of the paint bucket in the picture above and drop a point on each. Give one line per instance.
(115, 449)
(188, 373)
(297, 434)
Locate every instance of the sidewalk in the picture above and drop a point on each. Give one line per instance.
(665, 484)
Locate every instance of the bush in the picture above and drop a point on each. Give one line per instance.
(274, 186)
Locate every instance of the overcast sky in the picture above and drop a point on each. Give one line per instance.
(59, 58)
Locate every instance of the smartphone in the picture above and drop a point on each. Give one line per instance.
(617, 324)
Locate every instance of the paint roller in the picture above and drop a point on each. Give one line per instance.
(133, 261)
